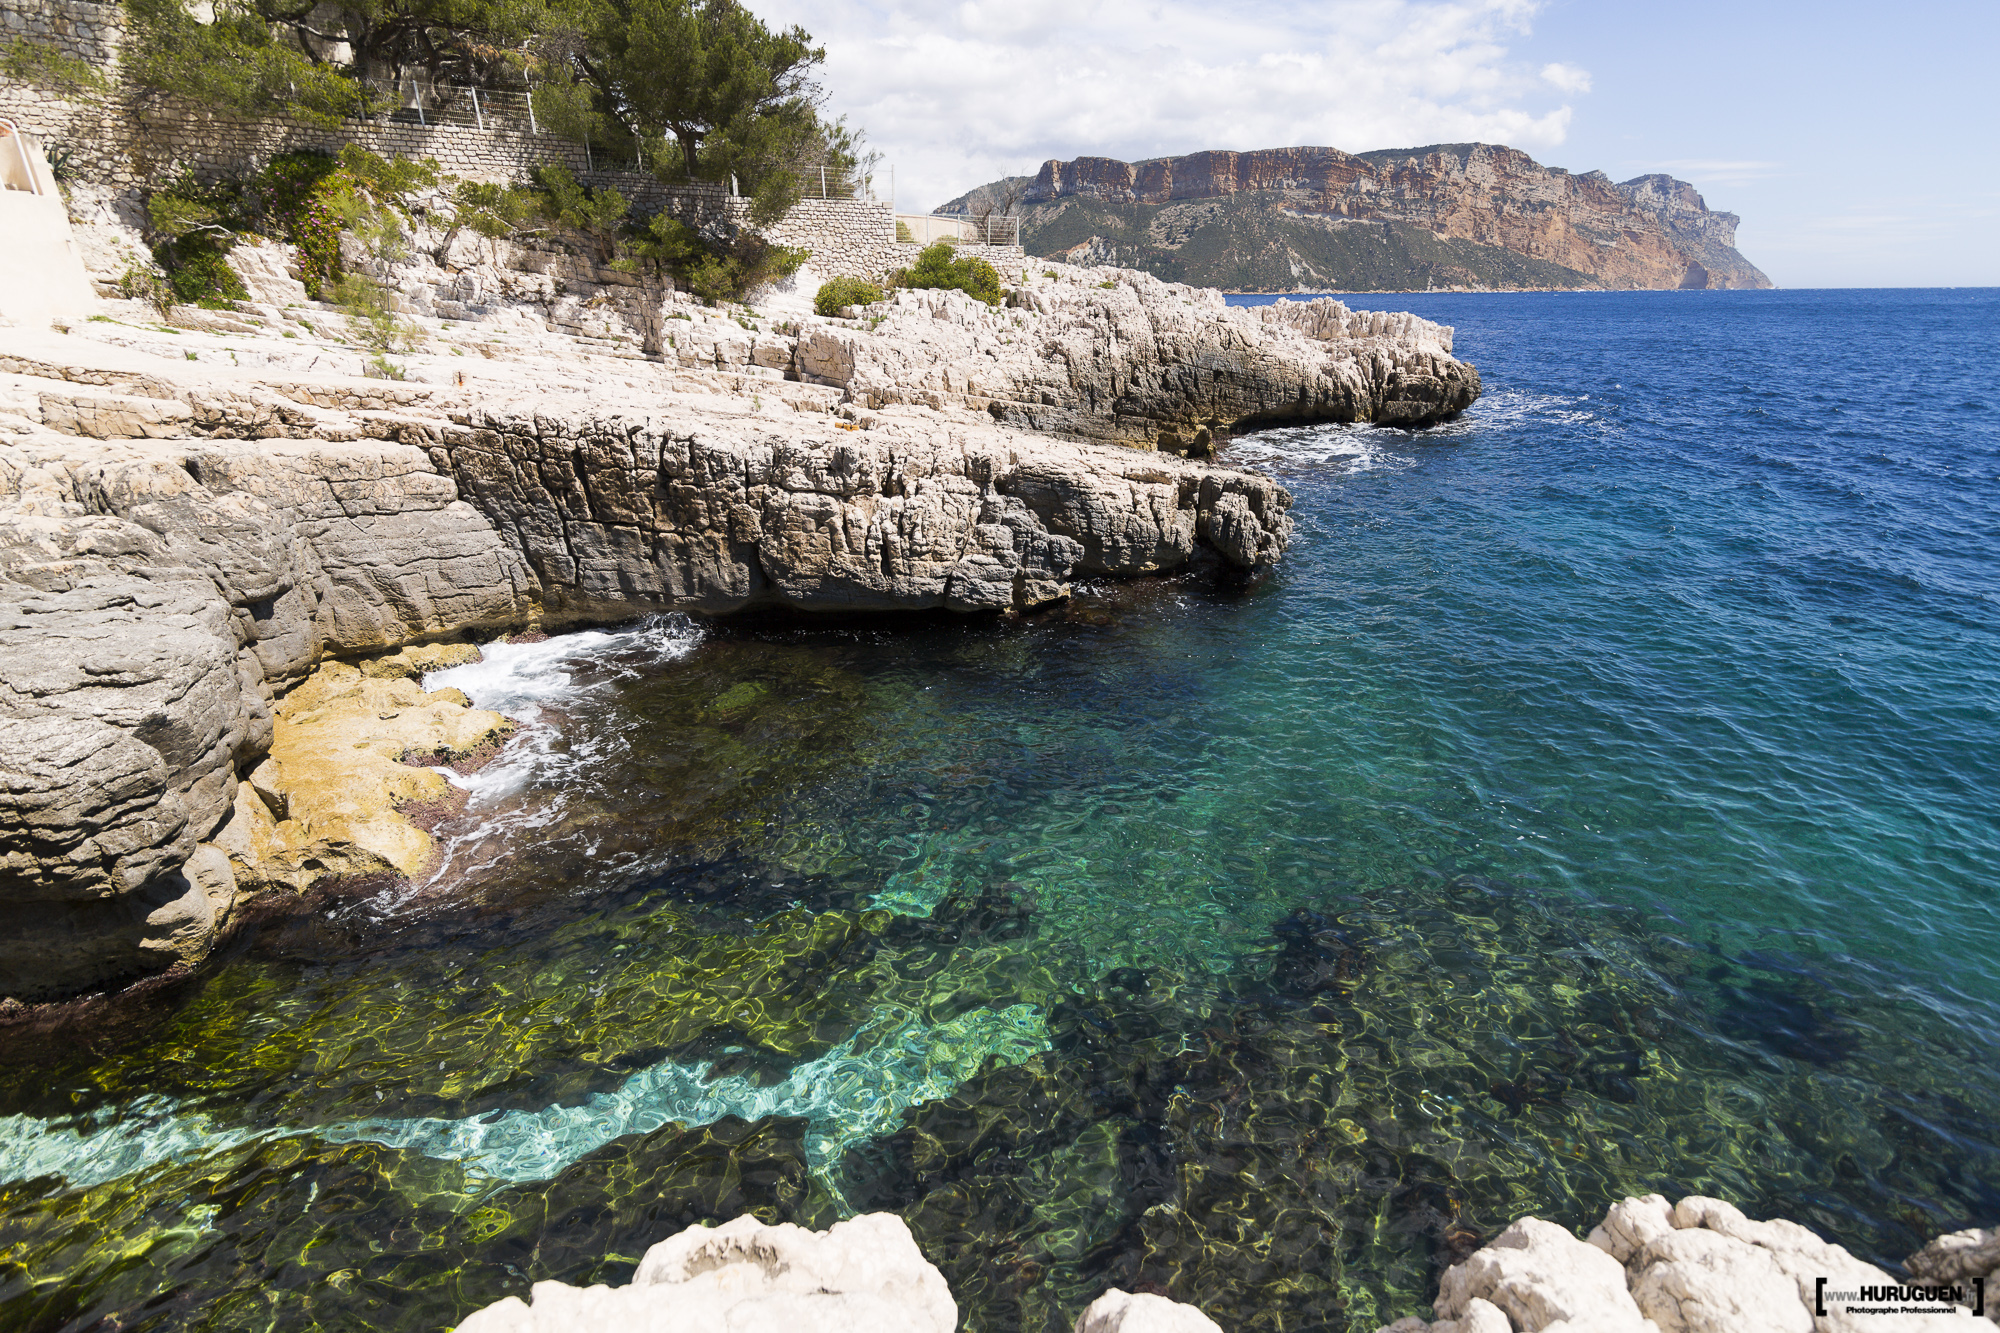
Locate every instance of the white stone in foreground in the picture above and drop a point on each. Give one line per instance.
(1699, 1266)
(1541, 1278)
(865, 1275)
(1122, 1312)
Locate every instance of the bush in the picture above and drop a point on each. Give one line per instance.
(938, 266)
(197, 269)
(715, 270)
(836, 294)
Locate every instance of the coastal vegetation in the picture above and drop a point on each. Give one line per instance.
(695, 90)
(939, 266)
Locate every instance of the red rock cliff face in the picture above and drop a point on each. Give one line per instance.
(1653, 231)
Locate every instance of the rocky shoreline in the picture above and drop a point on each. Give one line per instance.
(218, 539)
(1699, 1266)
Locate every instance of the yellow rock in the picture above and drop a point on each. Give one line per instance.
(336, 797)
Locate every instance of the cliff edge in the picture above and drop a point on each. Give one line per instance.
(219, 539)
(1319, 219)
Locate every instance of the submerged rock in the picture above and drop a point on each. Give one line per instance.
(1699, 1266)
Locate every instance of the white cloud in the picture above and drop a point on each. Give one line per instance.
(958, 94)
(1713, 171)
(1568, 78)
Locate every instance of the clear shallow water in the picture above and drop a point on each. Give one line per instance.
(1596, 801)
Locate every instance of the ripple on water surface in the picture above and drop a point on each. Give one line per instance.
(1595, 802)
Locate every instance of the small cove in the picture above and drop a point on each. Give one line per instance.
(1596, 800)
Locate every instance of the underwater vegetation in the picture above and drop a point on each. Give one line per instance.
(1550, 827)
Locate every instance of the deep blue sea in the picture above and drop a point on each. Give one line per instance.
(1599, 799)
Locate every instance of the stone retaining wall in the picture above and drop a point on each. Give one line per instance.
(93, 30)
(124, 142)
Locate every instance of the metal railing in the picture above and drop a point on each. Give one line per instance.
(410, 101)
(958, 228)
(425, 104)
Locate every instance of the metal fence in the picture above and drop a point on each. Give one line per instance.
(959, 228)
(409, 102)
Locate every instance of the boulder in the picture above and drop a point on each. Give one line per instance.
(864, 1275)
(1122, 1312)
(1699, 1266)
(1958, 1259)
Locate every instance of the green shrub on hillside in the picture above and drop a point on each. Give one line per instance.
(836, 294)
(938, 266)
(308, 199)
(726, 269)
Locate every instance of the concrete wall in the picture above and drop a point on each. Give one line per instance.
(41, 272)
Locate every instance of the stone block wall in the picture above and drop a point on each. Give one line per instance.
(122, 142)
(93, 30)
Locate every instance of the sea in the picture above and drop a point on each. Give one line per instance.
(1599, 799)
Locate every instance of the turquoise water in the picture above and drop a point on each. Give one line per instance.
(1595, 801)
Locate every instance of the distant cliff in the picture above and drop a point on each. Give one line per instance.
(1451, 215)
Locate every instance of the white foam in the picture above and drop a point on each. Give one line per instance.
(1365, 448)
(525, 787)
(519, 678)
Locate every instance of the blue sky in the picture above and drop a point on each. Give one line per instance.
(1858, 142)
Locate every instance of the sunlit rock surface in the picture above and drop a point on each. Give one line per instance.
(183, 540)
(1699, 1266)
(864, 1275)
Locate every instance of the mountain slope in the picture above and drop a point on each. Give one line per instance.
(1451, 215)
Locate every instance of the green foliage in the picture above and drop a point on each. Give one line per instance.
(308, 199)
(150, 284)
(235, 64)
(197, 269)
(836, 294)
(496, 212)
(904, 234)
(594, 214)
(715, 270)
(703, 73)
(373, 322)
(39, 63)
(939, 266)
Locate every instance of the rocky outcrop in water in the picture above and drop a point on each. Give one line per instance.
(864, 1275)
(193, 518)
(1699, 1266)
(1448, 215)
(1124, 358)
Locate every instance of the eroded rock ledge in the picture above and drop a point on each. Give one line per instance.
(194, 518)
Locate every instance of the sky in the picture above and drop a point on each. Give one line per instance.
(1857, 142)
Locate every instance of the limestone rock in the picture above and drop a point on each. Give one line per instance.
(191, 522)
(1960, 1257)
(1543, 1279)
(341, 792)
(1699, 1266)
(1262, 210)
(865, 1275)
(1121, 357)
(1122, 1312)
